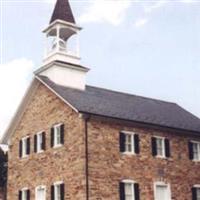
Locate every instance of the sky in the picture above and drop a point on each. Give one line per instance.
(148, 48)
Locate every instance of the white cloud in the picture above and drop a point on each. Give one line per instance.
(189, 1)
(111, 11)
(141, 22)
(50, 1)
(14, 79)
(154, 6)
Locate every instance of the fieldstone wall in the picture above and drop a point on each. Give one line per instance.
(66, 163)
(107, 166)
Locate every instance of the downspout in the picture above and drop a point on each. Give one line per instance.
(86, 117)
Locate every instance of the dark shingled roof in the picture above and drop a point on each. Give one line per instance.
(62, 11)
(127, 107)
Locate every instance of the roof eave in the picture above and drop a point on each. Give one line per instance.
(155, 126)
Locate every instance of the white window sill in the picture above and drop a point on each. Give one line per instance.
(195, 160)
(128, 153)
(40, 151)
(57, 146)
(24, 157)
(161, 157)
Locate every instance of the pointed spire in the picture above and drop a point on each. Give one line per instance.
(63, 12)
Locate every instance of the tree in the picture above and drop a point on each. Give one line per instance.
(3, 168)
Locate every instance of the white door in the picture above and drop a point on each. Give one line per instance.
(41, 193)
(162, 192)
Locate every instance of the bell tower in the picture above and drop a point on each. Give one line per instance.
(61, 62)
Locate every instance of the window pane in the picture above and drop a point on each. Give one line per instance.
(24, 194)
(198, 193)
(24, 147)
(195, 151)
(40, 194)
(129, 143)
(39, 145)
(160, 146)
(57, 192)
(57, 135)
(161, 193)
(129, 191)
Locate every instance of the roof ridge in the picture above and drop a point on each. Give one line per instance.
(130, 94)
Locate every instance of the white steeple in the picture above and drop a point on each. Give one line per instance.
(62, 64)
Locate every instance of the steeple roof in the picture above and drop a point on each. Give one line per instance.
(63, 12)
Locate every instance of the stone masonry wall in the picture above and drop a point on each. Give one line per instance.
(62, 164)
(107, 166)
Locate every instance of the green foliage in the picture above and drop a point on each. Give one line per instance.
(3, 168)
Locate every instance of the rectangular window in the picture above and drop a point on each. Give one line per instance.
(39, 142)
(24, 194)
(58, 191)
(162, 191)
(160, 147)
(25, 146)
(196, 151)
(160, 143)
(41, 193)
(129, 143)
(129, 191)
(198, 193)
(57, 135)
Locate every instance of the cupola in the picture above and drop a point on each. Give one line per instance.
(61, 61)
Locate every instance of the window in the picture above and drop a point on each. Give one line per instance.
(129, 190)
(57, 135)
(162, 191)
(196, 192)
(57, 191)
(129, 142)
(41, 193)
(24, 147)
(160, 147)
(194, 150)
(39, 142)
(24, 194)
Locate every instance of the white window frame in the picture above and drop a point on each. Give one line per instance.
(56, 144)
(39, 150)
(198, 149)
(163, 147)
(159, 183)
(132, 134)
(24, 146)
(23, 190)
(197, 186)
(40, 187)
(128, 181)
(58, 183)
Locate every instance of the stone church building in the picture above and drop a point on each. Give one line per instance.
(72, 141)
